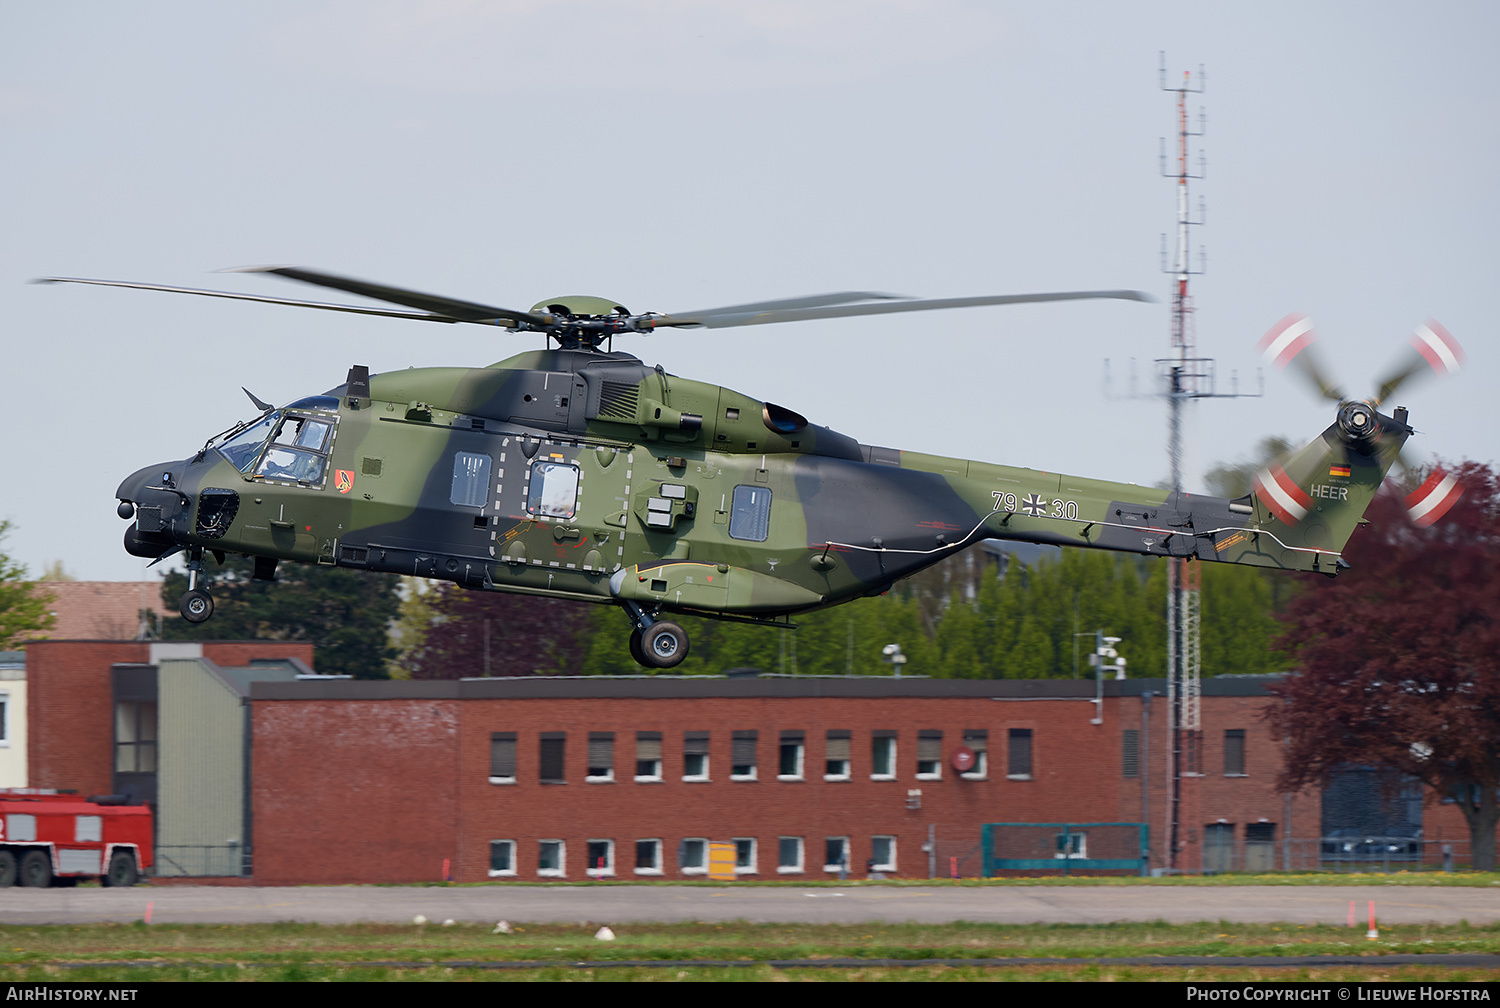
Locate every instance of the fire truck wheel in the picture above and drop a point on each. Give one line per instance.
(121, 870)
(7, 869)
(36, 869)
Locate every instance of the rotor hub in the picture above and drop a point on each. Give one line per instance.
(1358, 420)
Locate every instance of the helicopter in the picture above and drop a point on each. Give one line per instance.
(578, 472)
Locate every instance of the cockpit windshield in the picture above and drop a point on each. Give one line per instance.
(281, 446)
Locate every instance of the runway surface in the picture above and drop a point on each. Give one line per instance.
(609, 904)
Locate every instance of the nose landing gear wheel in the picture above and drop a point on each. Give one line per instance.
(663, 645)
(196, 605)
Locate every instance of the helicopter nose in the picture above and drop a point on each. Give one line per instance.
(135, 487)
(151, 497)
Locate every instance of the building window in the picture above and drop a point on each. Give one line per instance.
(552, 858)
(502, 858)
(601, 757)
(836, 755)
(1018, 763)
(883, 853)
(551, 757)
(1234, 752)
(1072, 846)
(648, 857)
(695, 756)
(601, 858)
(929, 754)
(692, 856)
(789, 855)
(742, 760)
(503, 757)
(4, 718)
(789, 765)
(977, 740)
(883, 755)
(135, 736)
(1130, 752)
(744, 856)
(836, 853)
(648, 756)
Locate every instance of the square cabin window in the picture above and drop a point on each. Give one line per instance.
(750, 513)
(553, 490)
(471, 480)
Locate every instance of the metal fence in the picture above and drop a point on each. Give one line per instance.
(202, 860)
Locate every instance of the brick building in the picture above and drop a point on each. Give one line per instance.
(632, 777)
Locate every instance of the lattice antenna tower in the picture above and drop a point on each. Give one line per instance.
(1185, 377)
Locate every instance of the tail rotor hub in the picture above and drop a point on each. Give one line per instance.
(1358, 421)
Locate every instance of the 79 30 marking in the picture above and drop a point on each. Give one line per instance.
(1035, 506)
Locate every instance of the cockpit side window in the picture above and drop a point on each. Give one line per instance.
(244, 448)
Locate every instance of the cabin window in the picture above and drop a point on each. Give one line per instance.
(471, 479)
(750, 513)
(553, 491)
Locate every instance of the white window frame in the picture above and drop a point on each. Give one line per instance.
(594, 871)
(702, 867)
(754, 773)
(981, 768)
(4, 719)
(648, 778)
(888, 866)
(503, 872)
(752, 867)
(561, 871)
(698, 776)
(608, 778)
(515, 757)
(801, 745)
(894, 756)
(931, 774)
(834, 868)
(783, 869)
(656, 841)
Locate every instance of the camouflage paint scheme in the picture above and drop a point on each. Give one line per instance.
(588, 475)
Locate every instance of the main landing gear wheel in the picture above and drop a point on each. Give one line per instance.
(635, 649)
(196, 605)
(663, 645)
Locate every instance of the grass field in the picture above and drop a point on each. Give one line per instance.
(464, 952)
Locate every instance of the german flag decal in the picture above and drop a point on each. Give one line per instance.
(1338, 470)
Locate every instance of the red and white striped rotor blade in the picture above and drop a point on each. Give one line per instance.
(1434, 498)
(1282, 495)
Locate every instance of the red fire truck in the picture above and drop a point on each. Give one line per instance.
(47, 835)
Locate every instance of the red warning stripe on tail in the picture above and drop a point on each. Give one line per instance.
(1287, 339)
(1439, 347)
(1434, 498)
(1277, 491)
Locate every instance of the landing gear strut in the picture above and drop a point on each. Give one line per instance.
(654, 643)
(196, 605)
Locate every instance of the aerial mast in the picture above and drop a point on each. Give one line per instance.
(1185, 377)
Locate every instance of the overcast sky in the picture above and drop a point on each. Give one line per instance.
(681, 154)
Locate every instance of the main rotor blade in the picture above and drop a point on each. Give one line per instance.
(461, 311)
(326, 306)
(1433, 347)
(811, 301)
(723, 321)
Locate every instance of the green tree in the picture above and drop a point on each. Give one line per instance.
(23, 609)
(345, 614)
